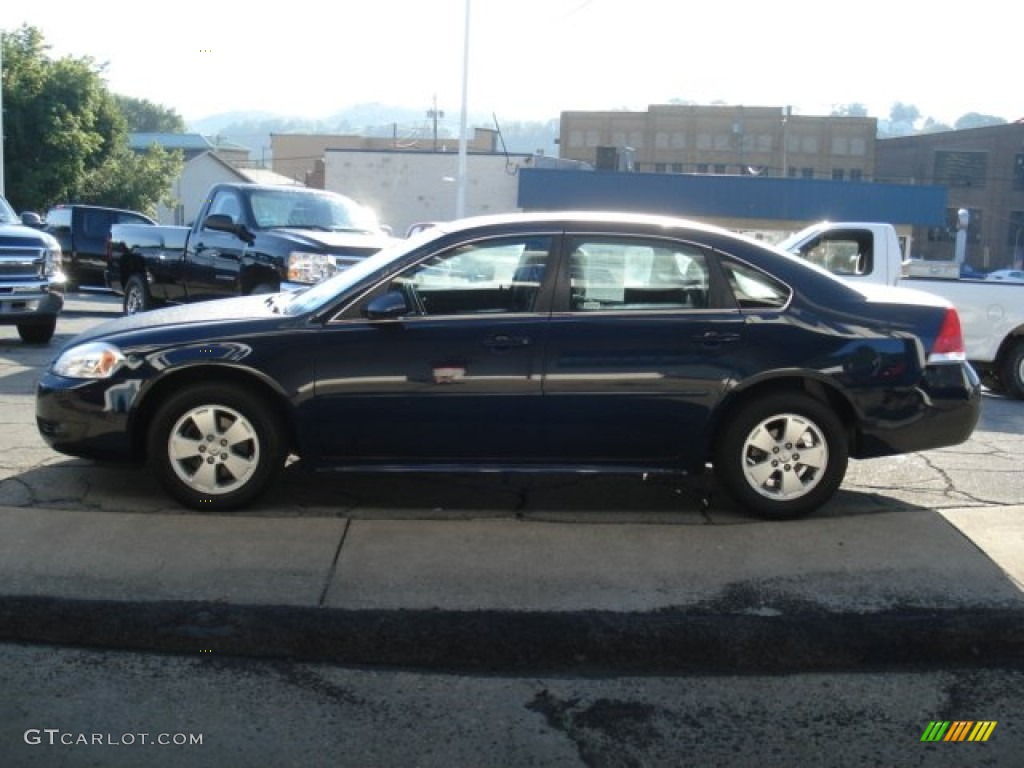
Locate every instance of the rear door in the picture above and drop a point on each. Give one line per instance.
(643, 343)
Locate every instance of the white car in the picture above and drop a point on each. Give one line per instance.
(1007, 275)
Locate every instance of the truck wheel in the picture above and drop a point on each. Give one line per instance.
(1012, 373)
(37, 333)
(136, 295)
(216, 446)
(782, 456)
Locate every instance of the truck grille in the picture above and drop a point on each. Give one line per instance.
(19, 262)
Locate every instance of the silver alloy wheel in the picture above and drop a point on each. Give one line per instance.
(785, 456)
(214, 449)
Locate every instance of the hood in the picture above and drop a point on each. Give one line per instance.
(20, 235)
(202, 313)
(333, 241)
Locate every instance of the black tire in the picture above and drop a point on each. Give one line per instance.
(1011, 373)
(775, 477)
(37, 333)
(242, 427)
(136, 295)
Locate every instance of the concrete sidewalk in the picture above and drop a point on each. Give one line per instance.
(903, 587)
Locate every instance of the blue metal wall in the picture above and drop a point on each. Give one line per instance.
(733, 197)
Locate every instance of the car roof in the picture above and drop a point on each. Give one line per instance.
(574, 218)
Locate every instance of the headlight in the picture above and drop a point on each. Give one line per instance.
(306, 267)
(52, 262)
(95, 360)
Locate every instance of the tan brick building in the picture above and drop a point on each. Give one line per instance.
(735, 140)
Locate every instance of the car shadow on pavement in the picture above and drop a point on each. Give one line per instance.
(653, 499)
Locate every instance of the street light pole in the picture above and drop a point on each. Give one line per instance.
(1, 114)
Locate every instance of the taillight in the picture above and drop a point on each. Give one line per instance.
(949, 344)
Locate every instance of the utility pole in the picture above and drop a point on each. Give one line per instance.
(435, 114)
(460, 199)
(2, 191)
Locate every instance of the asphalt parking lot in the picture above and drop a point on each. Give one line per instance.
(441, 570)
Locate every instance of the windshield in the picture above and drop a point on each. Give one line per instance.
(7, 215)
(306, 209)
(318, 295)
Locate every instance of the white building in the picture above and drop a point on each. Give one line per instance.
(406, 187)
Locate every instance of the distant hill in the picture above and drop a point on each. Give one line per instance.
(253, 129)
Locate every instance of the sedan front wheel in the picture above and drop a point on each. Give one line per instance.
(216, 447)
(782, 456)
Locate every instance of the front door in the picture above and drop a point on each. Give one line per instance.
(213, 259)
(457, 377)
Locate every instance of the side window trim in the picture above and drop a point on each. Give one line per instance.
(643, 275)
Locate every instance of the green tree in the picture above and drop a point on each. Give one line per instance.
(130, 180)
(64, 131)
(977, 120)
(143, 116)
(855, 109)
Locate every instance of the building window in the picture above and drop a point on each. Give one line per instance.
(809, 145)
(856, 174)
(659, 167)
(956, 168)
(807, 173)
(1018, 172)
(723, 141)
(837, 174)
(858, 147)
(575, 138)
(702, 167)
(678, 141)
(720, 168)
(764, 142)
(791, 172)
(661, 140)
(677, 167)
(619, 139)
(703, 141)
(1015, 231)
(839, 145)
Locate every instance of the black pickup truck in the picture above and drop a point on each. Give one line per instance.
(248, 238)
(82, 231)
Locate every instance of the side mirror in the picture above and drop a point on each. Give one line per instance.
(32, 219)
(390, 306)
(221, 222)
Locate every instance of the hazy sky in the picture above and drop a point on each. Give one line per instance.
(532, 59)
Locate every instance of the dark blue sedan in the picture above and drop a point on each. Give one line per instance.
(548, 342)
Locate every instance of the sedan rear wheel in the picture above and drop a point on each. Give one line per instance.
(216, 447)
(782, 456)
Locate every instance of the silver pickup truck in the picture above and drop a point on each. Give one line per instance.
(31, 283)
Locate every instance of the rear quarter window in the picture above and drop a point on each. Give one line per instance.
(754, 289)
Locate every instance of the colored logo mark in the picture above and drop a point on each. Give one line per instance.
(958, 730)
